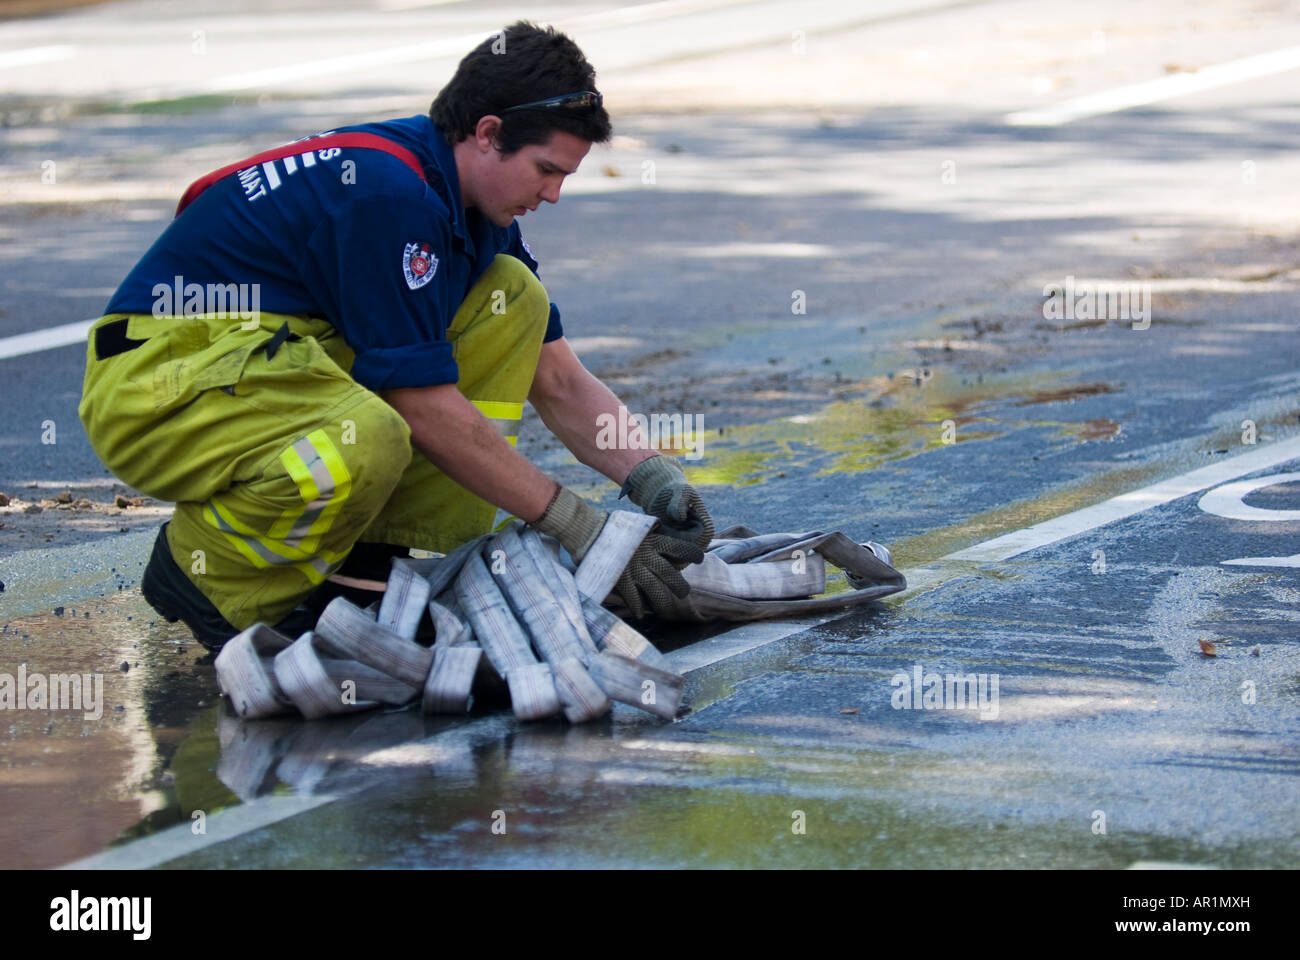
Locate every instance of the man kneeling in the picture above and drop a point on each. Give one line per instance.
(365, 398)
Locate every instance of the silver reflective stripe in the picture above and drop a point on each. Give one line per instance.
(507, 428)
(261, 550)
(324, 481)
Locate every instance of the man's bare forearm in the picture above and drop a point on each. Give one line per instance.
(571, 400)
(460, 442)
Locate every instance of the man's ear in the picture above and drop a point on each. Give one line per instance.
(486, 131)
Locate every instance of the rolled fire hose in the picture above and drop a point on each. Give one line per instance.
(508, 604)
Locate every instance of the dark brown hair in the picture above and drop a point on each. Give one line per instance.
(522, 63)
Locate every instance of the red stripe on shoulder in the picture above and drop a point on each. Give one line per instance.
(365, 141)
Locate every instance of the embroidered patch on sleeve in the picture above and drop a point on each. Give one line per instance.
(418, 264)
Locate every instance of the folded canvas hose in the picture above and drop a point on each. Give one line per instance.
(507, 600)
(748, 576)
(507, 604)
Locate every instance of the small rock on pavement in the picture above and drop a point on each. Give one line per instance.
(4, 499)
(121, 501)
(125, 666)
(33, 508)
(64, 497)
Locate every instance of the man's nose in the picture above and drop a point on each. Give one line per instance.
(551, 192)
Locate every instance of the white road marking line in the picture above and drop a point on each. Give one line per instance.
(411, 53)
(642, 13)
(394, 5)
(738, 640)
(34, 55)
(1152, 91)
(1127, 504)
(39, 340)
(180, 840)
(436, 49)
(1291, 561)
(1180, 284)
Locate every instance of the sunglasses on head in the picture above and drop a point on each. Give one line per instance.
(567, 101)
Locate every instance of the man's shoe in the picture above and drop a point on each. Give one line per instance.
(371, 561)
(175, 597)
(170, 592)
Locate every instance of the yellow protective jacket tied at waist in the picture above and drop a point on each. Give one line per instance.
(507, 605)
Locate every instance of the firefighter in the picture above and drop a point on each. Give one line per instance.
(323, 359)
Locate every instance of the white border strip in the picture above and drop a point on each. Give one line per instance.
(330, 66)
(1127, 504)
(1177, 85)
(455, 47)
(48, 339)
(739, 640)
(35, 55)
(180, 840)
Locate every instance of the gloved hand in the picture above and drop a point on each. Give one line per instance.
(658, 486)
(651, 577)
(573, 521)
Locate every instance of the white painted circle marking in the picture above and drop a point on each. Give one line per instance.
(1226, 501)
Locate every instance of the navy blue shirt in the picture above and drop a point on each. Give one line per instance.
(349, 234)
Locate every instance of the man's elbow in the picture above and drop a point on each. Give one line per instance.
(419, 404)
(557, 375)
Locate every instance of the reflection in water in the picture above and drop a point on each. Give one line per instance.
(259, 756)
(341, 754)
(71, 783)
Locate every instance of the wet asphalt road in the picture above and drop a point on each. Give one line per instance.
(924, 308)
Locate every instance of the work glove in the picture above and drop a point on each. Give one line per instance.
(651, 578)
(658, 486)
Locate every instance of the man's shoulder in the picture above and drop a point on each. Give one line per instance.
(378, 173)
(412, 136)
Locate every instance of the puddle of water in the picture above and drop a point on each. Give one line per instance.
(586, 796)
(76, 773)
(894, 418)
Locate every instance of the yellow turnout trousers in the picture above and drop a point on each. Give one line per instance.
(277, 460)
